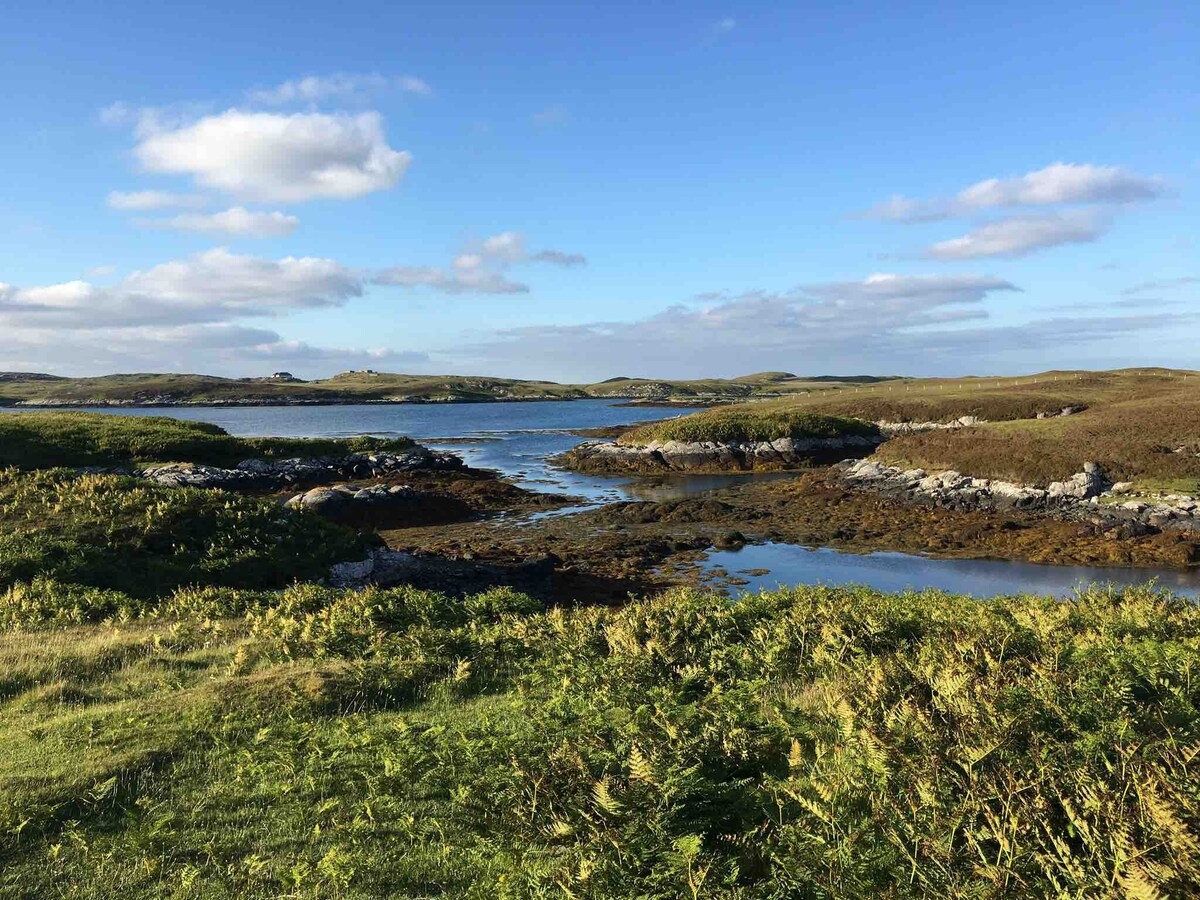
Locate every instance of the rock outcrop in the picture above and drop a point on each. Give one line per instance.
(380, 505)
(709, 456)
(387, 568)
(1086, 495)
(257, 474)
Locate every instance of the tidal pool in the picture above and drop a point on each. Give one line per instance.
(790, 564)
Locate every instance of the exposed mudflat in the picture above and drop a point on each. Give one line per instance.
(605, 553)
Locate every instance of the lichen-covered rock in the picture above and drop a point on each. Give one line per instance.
(1078, 497)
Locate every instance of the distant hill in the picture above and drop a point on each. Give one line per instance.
(369, 386)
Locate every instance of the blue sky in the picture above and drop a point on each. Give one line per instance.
(576, 191)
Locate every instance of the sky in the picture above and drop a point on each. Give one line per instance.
(576, 191)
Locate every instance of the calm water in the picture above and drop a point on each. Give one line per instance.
(790, 564)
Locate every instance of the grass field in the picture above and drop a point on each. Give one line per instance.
(812, 743)
(46, 439)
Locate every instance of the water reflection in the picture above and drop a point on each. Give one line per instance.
(789, 564)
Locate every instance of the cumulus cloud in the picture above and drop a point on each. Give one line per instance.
(479, 268)
(146, 201)
(278, 158)
(234, 222)
(214, 348)
(211, 286)
(1057, 184)
(183, 315)
(315, 88)
(1022, 235)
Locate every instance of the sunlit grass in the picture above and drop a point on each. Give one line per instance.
(808, 742)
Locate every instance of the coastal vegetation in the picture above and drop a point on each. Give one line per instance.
(807, 742)
(142, 538)
(748, 423)
(45, 439)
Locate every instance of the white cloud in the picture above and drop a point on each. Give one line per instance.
(315, 88)
(234, 222)
(278, 158)
(480, 268)
(144, 201)
(100, 271)
(1022, 235)
(1062, 183)
(464, 278)
(1057, 184)
(212, 286)
(183, 316)
(884, 323)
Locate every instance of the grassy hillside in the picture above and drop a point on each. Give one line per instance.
(812, 742)
(31, 440)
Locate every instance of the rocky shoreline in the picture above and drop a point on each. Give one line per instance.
(257, 474)
(713, 456)
(1086, 496)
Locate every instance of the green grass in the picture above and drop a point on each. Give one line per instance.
(750, 422)
(805, 743)
(141, 538)
(40, 440)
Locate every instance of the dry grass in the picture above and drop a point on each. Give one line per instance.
(1132, 439)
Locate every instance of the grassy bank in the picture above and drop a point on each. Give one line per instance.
(751, 422)
(141, 538)
(34, 440)
(813, 742)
